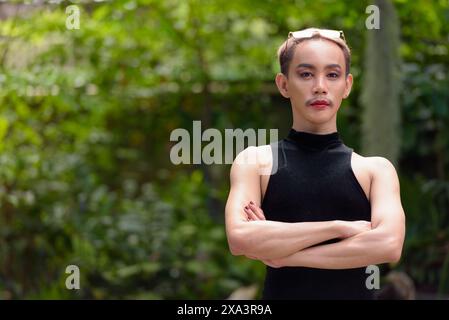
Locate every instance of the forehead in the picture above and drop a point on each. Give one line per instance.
(318, 52)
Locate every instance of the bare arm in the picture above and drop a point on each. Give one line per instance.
(263, 239)
(382, 244)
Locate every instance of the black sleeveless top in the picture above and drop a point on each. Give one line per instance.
(312, 180)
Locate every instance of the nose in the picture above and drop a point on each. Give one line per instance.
(319, 87)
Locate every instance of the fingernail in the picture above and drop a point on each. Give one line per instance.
(251, 202)
(246, 207)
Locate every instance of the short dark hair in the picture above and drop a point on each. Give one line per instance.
(287, 49)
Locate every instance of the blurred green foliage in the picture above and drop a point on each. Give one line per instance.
(85, 120)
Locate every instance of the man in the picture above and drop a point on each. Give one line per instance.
(323, 213)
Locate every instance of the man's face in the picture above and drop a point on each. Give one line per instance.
(317, 82)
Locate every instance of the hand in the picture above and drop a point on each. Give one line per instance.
(253, 212)
(351, 228)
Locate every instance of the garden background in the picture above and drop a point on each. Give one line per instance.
(86, 116)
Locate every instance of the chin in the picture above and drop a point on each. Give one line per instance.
(317, 116)
(320, 117)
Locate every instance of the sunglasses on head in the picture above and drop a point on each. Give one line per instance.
(308, 33)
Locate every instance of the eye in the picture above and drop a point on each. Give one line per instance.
(333, 75)
(305, 74)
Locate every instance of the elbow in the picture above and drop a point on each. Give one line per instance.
(235, 249)
(394, 249)
(236, 242)
(394, 256)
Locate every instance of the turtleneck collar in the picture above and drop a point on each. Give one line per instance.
(314, 141)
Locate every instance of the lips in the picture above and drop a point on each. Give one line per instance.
(320, 104)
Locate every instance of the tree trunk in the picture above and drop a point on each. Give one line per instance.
(381, 86)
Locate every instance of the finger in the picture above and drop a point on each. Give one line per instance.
(254, 212)
(248, 217)
(257, 210)
(250, 214)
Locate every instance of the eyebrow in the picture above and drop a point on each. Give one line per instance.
(311, 66)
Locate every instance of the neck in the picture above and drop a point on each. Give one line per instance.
(314, 142)
(300, 124)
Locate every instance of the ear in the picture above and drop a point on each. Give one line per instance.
(349, 80)
(282, 84)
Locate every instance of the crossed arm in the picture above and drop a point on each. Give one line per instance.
(280, 244)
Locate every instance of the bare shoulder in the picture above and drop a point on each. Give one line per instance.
(376, 166)
(381, 165)
(255, 157)
(245, 176)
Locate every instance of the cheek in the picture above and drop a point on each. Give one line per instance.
(300, 87)
(298, 93)
(339, 88)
